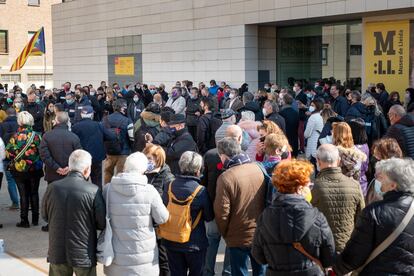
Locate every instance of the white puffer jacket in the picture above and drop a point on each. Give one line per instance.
(133, 207)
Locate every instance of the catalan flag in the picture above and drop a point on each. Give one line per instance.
(35, 47)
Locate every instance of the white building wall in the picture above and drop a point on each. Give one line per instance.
(182, 39)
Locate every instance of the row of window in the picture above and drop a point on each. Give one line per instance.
(29, 2)
(30, 77)
(4, 40)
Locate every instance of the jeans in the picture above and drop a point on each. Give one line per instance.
(96, 173)
(11, 185)
(191, 262)
(214, 237)
(28, 186)
(66, 270)
(239, 257)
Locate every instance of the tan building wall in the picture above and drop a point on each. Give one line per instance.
(18, 18)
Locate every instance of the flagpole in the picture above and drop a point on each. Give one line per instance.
(44, 69)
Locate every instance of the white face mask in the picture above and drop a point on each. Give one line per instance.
(231, 96)
(311, 109)
(264, 111)
(92, 93)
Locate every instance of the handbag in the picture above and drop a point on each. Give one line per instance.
(298, 246)
(12, 164)
(390, 239)
(105, 252)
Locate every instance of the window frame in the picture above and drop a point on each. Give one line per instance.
(32, 4)
(7, 42)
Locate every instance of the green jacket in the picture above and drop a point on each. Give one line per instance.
(340, 199)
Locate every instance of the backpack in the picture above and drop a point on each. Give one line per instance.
(113, 147)
(179, 226)
(270, 189)
(139, 136)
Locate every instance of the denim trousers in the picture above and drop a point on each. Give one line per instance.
(239, 258)
(214, 237)
(11, 185)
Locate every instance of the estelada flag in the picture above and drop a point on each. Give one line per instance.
(35, 47)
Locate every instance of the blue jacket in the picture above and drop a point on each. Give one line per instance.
(357, 110)
(340, 106)
(8, 128)
(183, 187)
(213, 90)
(92, 135)
(117, 120)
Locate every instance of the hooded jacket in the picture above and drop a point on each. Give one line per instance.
(403, 132)
(133, 207)
(291, 219)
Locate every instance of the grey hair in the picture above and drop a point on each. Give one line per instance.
(274, 105)
(399, 171)
(24, 118)
(190, 163)
(247, 116)
(328, 153)
(79, 161)
(229, 146)
(399, 110)
(62, 117)
(136, 163)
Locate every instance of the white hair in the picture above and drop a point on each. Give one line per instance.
(136, 163)
(79, 161)
(247, 116)
(328, 153)
(190, 163)
(399, 171)
(24, 118)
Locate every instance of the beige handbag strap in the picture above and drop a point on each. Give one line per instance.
(391, 238)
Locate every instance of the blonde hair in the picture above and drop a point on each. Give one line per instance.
(275, 142)
(270, 127)
(342, 135)
(157, 153)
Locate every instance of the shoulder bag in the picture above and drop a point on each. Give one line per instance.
(12, 163)
(390, 239)
(105, 252)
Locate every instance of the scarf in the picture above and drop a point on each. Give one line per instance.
(237, 160)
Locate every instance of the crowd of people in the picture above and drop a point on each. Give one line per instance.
(313, 179)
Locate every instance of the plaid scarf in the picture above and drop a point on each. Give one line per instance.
(237, 160)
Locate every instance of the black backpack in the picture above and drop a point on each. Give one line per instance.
(113, 147)
(139, 136)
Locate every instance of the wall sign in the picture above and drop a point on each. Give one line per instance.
(124, 66)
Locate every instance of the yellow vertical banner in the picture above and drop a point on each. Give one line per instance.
(387, 46)
(124, 66)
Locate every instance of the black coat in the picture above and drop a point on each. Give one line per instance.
(74, 209)
(160, 179)
(213, 168)
(255, 108)
(277, 119)
(340, 106)
(181, 142)
(374, 225)
(206, 130)
(37, 111)
(135, 109)
(8, 128)
(403, 132)
(291, 117)
(193, 106)
(291, 219)
(301, 97)
(55, 149)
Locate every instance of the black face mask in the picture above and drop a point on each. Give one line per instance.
(77, 96)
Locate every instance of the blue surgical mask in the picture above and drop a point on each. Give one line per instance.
(151, 166)
(377, 187)
(309, 96)
(69, 102)
(153, 91)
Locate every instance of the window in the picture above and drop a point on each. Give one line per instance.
(325, 54)
(4, 42)
(2, 1)
(355, 50)
(10, 78)
(33, 2)
(39, 77)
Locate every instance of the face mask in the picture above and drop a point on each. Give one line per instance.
(9, 100)
(77, 96)
(69, 102)
(37, 100)
(153, 91)
(174, 94)
(193, 97)
(377, 187)
(18, 105)
(266, 87)
(309, 96)
(272, 90)
(151, 166)
(311, 109)
(172, 130)
(92, 93)
(136, 99)
(264, 111)
(231, 96)
(307, 194)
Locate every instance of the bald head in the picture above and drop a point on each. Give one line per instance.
(234, 131)
(328, 156)
(396, 113)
